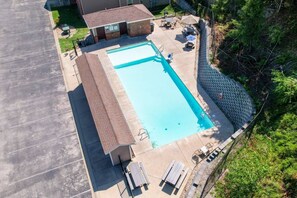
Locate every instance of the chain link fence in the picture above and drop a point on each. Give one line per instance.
(229, 151)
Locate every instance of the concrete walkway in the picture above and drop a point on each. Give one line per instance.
(156, 160)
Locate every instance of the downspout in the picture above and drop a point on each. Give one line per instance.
(111, 158)
(120, 3)
(82, 7)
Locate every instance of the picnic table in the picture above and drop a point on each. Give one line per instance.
(175, 174)
(138, 174)
(169, 20)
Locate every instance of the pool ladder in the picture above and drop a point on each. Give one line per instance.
(142, 132)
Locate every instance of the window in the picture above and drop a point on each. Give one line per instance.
(129, 2)
(112, 28)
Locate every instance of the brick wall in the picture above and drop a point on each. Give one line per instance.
(139, 28)
(112, 35)
(229, 95)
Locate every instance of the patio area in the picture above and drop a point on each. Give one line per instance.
(155, 161)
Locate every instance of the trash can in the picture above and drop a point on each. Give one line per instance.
(152, 26)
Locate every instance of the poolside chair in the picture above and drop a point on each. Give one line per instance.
(173, 24)
(203, 151)
(163, 22)
(209, 145)
(168, 25)
(190, 45)
(169, 57)
(198, 152)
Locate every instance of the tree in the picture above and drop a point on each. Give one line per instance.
(285, 87)
(276, 34)
(250, 23)
(225, 10)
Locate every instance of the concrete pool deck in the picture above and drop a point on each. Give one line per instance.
(156, 160)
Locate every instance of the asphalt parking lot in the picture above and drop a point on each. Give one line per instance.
(40, 154)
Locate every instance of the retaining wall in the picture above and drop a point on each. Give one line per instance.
(237, 105)
(184, 5)
(229, 95)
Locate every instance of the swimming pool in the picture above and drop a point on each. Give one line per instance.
(164, 105)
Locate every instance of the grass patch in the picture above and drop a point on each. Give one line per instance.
(253, 172)
(71, 16)
(172, 9)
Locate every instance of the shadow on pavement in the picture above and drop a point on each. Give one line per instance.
(102, 173)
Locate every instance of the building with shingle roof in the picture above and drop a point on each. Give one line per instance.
(133, 20)
(113, 130)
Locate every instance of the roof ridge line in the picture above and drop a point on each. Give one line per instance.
(107, 112)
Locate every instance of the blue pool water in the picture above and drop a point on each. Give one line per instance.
(165, 107)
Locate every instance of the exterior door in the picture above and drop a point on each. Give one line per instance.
(123, 28)
(101, 33)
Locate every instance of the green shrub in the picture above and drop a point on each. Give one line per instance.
(275, 34)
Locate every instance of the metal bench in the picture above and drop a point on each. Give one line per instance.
(167, 170)
(144, 173)
(182, 178)
(129, 181)
(136, 174)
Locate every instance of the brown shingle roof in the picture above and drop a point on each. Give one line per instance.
(110, 122)
(127, 14)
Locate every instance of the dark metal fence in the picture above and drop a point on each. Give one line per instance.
(229, 150)
(219, 169)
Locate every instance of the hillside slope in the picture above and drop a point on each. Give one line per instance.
(256, 44)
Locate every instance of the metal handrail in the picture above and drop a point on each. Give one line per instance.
(145, 131)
